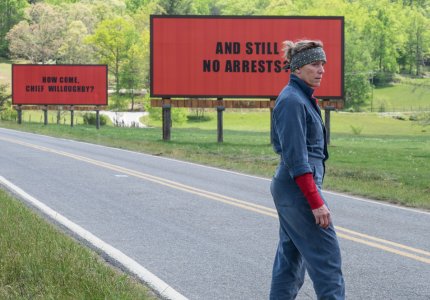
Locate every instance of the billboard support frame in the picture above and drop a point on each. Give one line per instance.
(45, 109)
(166, 106)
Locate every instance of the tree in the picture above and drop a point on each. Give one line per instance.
(281, 7)
(142, 21)
(384, 34)
(132, 71)
(59, 2)
(7, 112)
(113, 39)
(177, 7)
(242, 7)
(206, 7)
(358, 59)
(106, 9)
(4, 96)
(418, 39)
(39, 37)
(142, 16)
(416, 3)
(134, 5)
(74, 50)
(11, 12)
(83, 12)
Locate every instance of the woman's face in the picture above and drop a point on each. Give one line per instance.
(312, 73)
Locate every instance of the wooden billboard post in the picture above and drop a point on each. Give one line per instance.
(19, 114)
(97, 117)
(327, 110)
(166, 118)
(220, 108)
(272, 105)
(45, 115)
(72, 115)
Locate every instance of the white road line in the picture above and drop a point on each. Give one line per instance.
(371, 201)
(128, 263)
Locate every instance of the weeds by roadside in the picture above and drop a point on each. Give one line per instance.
(39, 262)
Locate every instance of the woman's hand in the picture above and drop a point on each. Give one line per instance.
(322, 216)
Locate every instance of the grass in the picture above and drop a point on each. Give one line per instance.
(39, 262)
(392, 168)
(403, 97)
(383, 158)
(377, 125)
(5, 71)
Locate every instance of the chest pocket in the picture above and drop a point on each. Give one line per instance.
(314, 132)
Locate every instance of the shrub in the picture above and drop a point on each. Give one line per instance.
(179, 115)
(118, 103)
(154, 113)
(356, 130)
(8, 114)
(91, 119)
(413, 117)
(381, 107)
(196, 119)
(401, 118)
(424, 119)
(381, 79)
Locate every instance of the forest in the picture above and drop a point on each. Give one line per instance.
(383, 39)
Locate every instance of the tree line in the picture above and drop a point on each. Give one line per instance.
(382, 37)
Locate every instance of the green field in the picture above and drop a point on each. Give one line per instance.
(409, 96)
(39, 262)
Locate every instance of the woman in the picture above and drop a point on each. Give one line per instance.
(307, 238)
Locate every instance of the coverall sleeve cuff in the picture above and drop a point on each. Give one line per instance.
(298, 170)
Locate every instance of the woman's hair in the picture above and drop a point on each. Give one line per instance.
(291, 48)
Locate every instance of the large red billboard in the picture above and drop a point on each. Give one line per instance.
(216, 56)
(59, 84)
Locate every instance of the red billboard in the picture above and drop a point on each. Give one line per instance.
(236, 57)
(59, 84)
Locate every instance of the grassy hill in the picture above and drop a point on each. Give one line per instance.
(410, 95)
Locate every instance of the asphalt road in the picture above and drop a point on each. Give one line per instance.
(210, 233)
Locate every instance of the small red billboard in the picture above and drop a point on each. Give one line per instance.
(223, 57)
(59, 84)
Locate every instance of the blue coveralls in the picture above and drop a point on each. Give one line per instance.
(299, 139)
